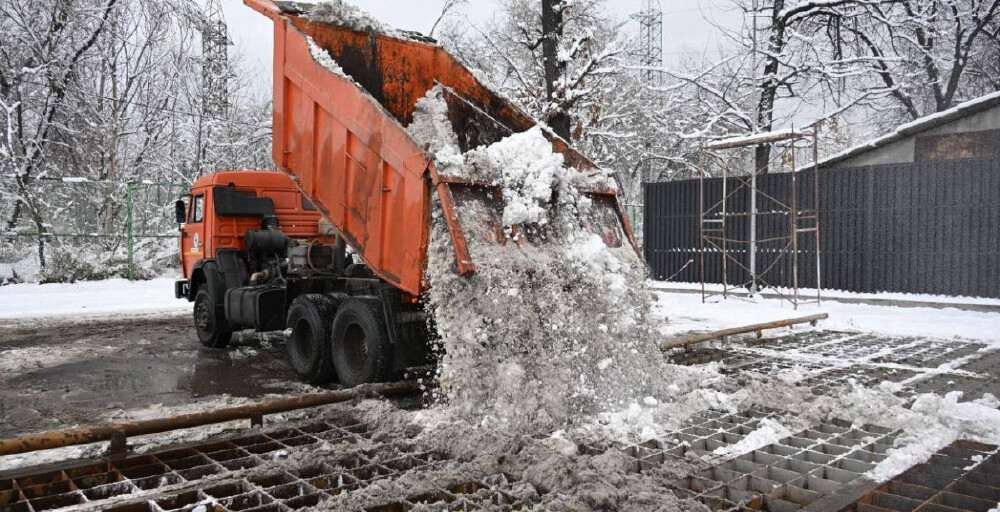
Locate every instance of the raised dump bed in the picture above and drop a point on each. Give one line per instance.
(267, 251)
(342, 134)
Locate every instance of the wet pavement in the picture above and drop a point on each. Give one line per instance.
(54, 376)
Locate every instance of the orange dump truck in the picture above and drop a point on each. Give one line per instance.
(268, 250)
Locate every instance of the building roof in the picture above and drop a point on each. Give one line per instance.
(917, 126)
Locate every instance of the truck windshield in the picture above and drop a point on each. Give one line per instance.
(232, 202)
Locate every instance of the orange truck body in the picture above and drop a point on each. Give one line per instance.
(343, 139)
(268, 250)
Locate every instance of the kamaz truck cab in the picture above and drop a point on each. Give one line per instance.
(254, 255)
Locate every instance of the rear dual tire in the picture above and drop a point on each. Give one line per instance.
(354, 347)
(361, 349)
(309, 345)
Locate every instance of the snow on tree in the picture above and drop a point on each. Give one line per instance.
(97, 94)
(930, 54)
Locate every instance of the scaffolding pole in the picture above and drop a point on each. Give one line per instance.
(714, 227)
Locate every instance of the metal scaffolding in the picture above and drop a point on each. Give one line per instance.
(715, 219)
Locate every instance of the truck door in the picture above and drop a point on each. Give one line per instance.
(193, 234)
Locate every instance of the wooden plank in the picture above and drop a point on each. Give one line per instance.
(708, 336)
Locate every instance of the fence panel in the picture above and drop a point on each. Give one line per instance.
(98, 219)
(926, 227)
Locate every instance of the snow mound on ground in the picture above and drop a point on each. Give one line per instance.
(934, 422)
(90, 299)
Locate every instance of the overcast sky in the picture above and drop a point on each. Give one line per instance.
(688, 25)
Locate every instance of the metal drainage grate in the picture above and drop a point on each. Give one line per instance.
(148, 475)
(785, 476)
(832, 360)
(962, 477)
(256, 473)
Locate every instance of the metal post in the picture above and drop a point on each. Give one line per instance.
(819, 281)
(725, 254)
(753, 230)
(793, 214)
(131, 246)
(701, 220)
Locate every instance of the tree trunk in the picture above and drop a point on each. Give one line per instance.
(552, 32)
(769, 86)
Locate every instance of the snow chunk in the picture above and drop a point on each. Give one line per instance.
(432, 128)
(935, 422)
(592, 255)
(769, 432)
(527, 168)
(323, 58)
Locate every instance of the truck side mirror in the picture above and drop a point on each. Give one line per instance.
(179, 211)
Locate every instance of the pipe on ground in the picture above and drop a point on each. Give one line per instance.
(709, 336)
(122, 430)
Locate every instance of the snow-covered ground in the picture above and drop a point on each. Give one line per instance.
(90, 300)
(686, 312)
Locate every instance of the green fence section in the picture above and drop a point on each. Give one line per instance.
(76, 211)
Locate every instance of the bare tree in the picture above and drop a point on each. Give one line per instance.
(448, 7)
(931, 54)
(45, 44)
(551, 57)
(105, 94)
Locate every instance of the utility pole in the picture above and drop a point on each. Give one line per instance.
(215, 60)
(650, 57)
(753, 166)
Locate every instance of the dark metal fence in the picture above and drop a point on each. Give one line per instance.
(927, 227)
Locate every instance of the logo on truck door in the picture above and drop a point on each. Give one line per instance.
(196, 243)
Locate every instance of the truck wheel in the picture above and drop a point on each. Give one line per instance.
(209, 321)
(361, 348)
(309, 345)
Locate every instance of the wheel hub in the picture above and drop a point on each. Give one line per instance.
(202, 318)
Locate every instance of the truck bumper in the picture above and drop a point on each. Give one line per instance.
(182, 289)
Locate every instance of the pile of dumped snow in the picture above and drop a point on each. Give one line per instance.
(432, 128)
(529, 172)
(552, 327)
